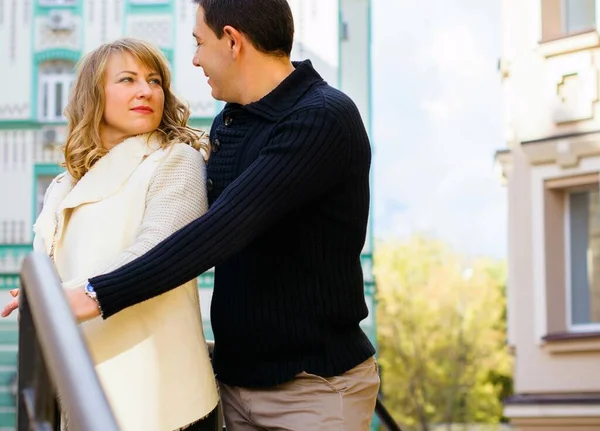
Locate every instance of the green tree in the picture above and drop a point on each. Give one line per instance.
(441, 334)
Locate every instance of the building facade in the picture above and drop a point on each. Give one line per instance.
(550, 70)
(40, 43)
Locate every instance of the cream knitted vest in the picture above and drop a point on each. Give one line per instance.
(151, 358)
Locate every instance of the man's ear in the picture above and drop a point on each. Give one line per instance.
(235, 39)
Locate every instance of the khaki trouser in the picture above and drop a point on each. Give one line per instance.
(307, 403)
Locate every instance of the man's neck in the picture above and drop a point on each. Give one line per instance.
(263, 76)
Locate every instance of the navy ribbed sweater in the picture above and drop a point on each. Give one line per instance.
(288, 184)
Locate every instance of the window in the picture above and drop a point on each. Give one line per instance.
(562, 220)
(568, 236)
(582, 220)
(42, 184)
(43, 174)
(55, 80)
(578, 16)
(58, 2)
(562, 18)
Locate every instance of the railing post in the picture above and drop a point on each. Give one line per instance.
(384, 415)
(36, 405)
(53, 358)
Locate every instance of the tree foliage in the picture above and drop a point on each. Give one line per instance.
(441, 334)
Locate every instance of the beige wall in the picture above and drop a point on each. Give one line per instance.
(535, 70)
(532, 73)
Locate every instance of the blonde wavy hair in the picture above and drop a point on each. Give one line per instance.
(85, 110)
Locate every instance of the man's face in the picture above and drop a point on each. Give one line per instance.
(214, 56)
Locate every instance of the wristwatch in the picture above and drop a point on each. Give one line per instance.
(89, 291)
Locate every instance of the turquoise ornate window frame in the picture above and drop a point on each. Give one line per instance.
(170, 55)
(44, 9)
(167, 7)
(11, 280)
(19, 125)
(48, 169)
(39, 58)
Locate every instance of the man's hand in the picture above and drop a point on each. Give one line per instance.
(12, 305)
(83, 307)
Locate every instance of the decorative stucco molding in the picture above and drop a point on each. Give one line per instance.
(48, 38)
(564, 150)
(503, 161)
(572, 87)
(13, 111)
(154, 29)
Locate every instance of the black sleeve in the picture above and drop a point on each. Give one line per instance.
(307, 153)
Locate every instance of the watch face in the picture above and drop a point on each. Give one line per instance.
(89, 288)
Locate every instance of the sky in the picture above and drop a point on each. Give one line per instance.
(437, 122)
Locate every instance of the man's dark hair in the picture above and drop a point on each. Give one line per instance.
(267, 23)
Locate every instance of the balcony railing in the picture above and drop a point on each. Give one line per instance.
(14, 232)
(12, 256)
(385, 417)
(52, 354)
(23, 148)
(53, 359)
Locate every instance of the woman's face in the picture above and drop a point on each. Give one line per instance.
(134, 99)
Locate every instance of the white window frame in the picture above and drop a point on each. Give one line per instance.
(47, 94)
(57, 2)
(571, 327)
(563, 18)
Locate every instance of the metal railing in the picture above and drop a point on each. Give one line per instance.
(385, 417)
(53, 358)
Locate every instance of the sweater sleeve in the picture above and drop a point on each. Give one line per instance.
(173, 200)
(306, 155)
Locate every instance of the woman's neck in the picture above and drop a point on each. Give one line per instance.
(111, 138)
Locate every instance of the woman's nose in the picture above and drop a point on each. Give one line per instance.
(144, 90)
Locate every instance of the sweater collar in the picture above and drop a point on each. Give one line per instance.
(275, 104)
(112, 170)
(103, 179)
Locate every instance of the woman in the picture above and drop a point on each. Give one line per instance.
(134, 176)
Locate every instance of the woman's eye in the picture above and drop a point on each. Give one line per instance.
(156, 81)
(126, 79)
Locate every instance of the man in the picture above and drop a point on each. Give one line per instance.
(288, 184)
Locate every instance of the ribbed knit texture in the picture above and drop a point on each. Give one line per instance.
(288, 186)
(173, 200)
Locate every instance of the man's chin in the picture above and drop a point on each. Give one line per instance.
(227, 98)
(216, 95)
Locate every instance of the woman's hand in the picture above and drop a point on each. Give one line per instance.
(83, 307)
(12, 305)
